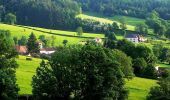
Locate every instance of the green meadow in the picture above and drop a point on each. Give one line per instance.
(17, 31)
(138, 87)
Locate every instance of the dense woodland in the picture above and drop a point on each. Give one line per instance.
(135, 8)
(42, 13)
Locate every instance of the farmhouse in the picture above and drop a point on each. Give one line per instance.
(47, 51)
(21, 49)
(136, 38)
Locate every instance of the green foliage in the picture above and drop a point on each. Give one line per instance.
(115, 25)
(10, 19)
(135, 8)
(125, 63)
(87, 73)
(65, 42)
(139, 65)
(142, 29)
(23, 41)
(8, 86)
(43, 13)
(32, 45)
(79, 31)
(160, 92)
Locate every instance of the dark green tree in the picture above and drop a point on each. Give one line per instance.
(79, 31)
(23, 41)
(10, 19)
(81, 73)
(142, 29)
(8, 87)
(15, 40)
(32, 45)
(115, 25)
(160, 92)
(65, 42)
(139, 65)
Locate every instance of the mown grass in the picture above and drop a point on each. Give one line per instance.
(24, 73)
(138, 87)
(17, 31)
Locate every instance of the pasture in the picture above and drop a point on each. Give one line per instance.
(18, 31)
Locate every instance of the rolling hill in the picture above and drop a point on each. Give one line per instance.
(19, 31)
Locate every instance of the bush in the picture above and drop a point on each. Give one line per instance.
(30, 59)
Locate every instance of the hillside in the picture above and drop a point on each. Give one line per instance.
(138, 90)
(19, 31)
(104, 20)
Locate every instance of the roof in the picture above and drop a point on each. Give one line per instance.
(47, 49)
(132, 36)
(21, 49)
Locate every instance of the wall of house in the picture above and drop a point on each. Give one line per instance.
(135, 40)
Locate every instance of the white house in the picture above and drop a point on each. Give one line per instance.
(47, 51)
(136, 38)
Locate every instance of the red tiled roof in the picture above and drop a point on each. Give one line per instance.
(21, 49)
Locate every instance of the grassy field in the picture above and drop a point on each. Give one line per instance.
(131, 21)
(25, 72)
(21, 31)
(138, 87)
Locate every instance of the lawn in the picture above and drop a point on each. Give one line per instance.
(164, 65)
(25, 72)
(21, 31)
(138, 87)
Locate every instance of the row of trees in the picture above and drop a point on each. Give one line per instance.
(134, 8)
(159, 25)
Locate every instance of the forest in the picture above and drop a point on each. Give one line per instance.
(133, 8)
(42, 13)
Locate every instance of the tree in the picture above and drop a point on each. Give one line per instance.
(10, 18)
(8, 87)
(79, 31)
(139, 65)
(53, 38)
(15, 40)
(142, 29)
(165, 55)
(160, 92)
(123, 25)
(167, 34)
(115, 25)
(22, 41)
(43, 39)
(65, 42)
(125, 63)
(32, 45)
(87, 73)
(157, 50)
